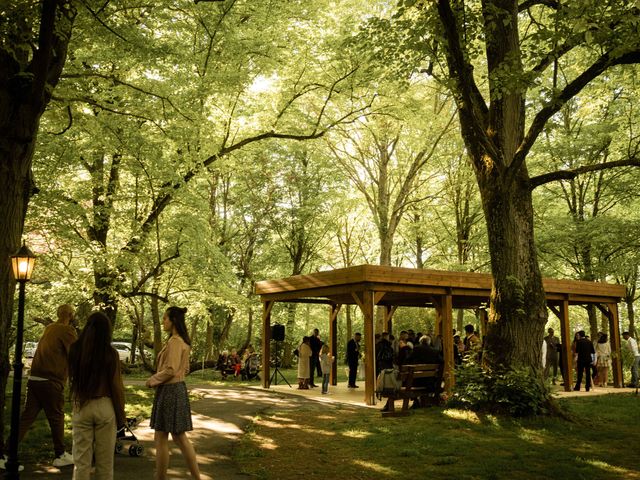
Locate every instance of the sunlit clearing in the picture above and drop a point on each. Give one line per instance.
(608, 467)
(462, 415)
(376, 467)
(356, 434)
(275, 418)
(216, 425)
(531, 436)
(294, 426)
(326, 417)
(261, 84)
(274, 424)
(265, 443)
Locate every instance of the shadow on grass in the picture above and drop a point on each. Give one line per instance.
(322, 442)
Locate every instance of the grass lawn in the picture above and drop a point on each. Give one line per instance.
(320, 441)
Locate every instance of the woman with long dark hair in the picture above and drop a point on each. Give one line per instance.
(97, 396)
(171, 411)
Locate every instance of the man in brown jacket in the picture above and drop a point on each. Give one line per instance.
(45, 387)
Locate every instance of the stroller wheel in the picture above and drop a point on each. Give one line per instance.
(136, 450)
(119, 446)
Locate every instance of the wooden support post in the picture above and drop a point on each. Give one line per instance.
(444, 324)
(614, 339)
(266, 342)
(366, 303)
(567, 338)
(333, 342)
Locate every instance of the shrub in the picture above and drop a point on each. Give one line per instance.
(518, 392)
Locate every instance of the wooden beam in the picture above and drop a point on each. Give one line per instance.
(555, 310)
(567, 338)
(266, 342)
(358, 300)
(614, 339)
(377, 296)
(333, 342)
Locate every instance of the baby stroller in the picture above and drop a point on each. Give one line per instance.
(251, 368)
(125, 434)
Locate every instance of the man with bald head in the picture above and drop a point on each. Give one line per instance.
(45, 387)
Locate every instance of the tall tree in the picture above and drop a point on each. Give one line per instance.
(34, 37)
(501, 56)
(384, 159)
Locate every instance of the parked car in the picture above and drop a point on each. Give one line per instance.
(124, 350)
(30, 349)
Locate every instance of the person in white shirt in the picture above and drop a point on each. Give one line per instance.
(632, 344)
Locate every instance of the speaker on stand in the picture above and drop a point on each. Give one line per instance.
(277, 335)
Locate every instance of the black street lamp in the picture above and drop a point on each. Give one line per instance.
(22, 264)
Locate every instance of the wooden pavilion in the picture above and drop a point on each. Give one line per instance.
(369, 286)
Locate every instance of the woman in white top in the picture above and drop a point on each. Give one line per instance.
(304, 354)
(603, 360)
(171, 411)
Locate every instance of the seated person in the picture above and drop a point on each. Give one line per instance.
(425, 353)
(223, 364)
(251, 367)
(235, 363)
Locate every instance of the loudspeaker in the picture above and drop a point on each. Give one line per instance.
(277, 332)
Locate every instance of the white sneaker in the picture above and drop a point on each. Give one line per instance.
(63, 460)
(3, 464)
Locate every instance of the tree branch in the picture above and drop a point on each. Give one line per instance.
(571, 174)
(69, 124)
(530, 3)
(145, 294)
(473, 109)
(570, 90)
(117, 81)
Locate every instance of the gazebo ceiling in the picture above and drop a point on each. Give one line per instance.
(409, 287)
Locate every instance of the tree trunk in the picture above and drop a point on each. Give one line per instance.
(593, 321)
(518, 311)
(14, 198)
(459, 321)
(290, 342)
(631, 314)
(194, 329)
(208, 345)
(157, 327)
(27, 81)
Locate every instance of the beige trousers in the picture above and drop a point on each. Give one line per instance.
(94, 434)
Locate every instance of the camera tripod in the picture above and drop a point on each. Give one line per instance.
(276, 371)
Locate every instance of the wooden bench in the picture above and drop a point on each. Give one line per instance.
(410, 391)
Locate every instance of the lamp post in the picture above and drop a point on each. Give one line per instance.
(22, 264)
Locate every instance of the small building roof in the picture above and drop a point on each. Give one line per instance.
(417, 287)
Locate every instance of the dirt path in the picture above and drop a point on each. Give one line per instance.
(220, 416)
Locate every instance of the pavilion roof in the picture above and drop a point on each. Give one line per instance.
(399, 286)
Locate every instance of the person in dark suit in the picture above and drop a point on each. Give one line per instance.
(314, 361)
(584, 350)
(353, 355)
(425, 353)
